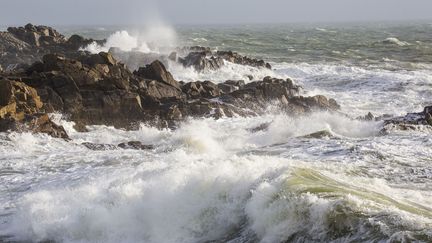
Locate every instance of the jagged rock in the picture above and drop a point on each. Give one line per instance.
(135, 145)
(99, 147)
(37, 35)
(262, 127)
(18, 99)
(231, 86)
(411, 120)
(157, 71)
(199, 89)
(243, 60)
(319, 134)
(200, 61)
(20, 108)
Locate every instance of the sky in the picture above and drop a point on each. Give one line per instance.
(116, 12)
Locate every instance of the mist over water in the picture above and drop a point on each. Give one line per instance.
(316, 178)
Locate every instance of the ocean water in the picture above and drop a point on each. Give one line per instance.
(216, 180)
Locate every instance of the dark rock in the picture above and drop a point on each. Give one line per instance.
(411, 120)
(242, 60)
(198, 89)
(200, 61)
(135, 145)
(99, 147)
(319, 134)
(262, 127)
(157, 71)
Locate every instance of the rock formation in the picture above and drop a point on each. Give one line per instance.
(97, 89)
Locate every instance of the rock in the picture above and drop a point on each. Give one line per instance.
(200, 61)
(99, 147)
(41, 123)
(411, 120)
(199, 89)
(173, 56)
(20, 110)
(18, 99)
(157, 71)
(242, 60)
(135, 145)
(262, 127)
(368, 117)
(37, 35)
(319, 134)
(75, 42)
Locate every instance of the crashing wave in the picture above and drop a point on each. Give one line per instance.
(395, 41)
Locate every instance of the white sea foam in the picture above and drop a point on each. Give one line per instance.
(205, 180)
(154, 37)
(360, 90)
(395, 41)
(229, 71)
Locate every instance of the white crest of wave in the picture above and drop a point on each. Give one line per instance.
(154, 37)
(229, 71)
(396, 41)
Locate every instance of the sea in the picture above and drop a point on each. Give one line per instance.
(321, 177)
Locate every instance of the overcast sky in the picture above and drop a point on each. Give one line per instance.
(109, 12)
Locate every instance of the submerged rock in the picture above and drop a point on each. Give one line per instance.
(136, 145)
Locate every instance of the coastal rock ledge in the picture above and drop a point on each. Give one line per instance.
(97, 89)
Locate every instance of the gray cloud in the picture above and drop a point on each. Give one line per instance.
(81, 12)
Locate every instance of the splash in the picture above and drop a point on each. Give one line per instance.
(154, 37)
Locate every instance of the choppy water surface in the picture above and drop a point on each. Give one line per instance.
(215, 180)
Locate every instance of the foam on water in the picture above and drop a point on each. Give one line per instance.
(154, 37)
(360, 89)
(210, 180)
(229, 71)
(321, 177)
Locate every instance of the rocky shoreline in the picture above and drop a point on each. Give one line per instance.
(42, 72)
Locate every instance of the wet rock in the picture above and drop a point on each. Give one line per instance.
(20, 110)
(411, 120)
(319, 134)
(262, 127)
(157, 71)
(206, 89)
(137, 145)
(242, 60)
(368, 117)
(200, 61)
(99, 147)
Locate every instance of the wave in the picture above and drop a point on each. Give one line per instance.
(153, 38)
(210, 180)
(229, 71)
(359, 89)
(395, 41)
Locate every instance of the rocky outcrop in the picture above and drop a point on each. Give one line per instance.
(202, 58)
(93, 90)
(28, 44)
(410, 121)
(157, 71)
(97, 89)
(37, 35)
(21, 109)
(202, 61)
(242, 60)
